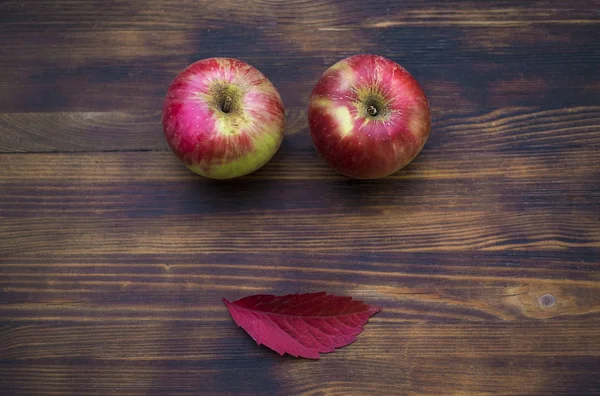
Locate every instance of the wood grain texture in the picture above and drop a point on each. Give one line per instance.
(484, 252)
(504, 129)
(465, 55)
(179, 357)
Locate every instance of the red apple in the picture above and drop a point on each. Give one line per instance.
(368, 117)
(223, 118)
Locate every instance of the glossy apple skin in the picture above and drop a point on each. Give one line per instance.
(213, 143)
(355, 144)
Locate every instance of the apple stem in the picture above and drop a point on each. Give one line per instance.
(226, 106)
(372, 110)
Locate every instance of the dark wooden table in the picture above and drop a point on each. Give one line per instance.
(484, 252)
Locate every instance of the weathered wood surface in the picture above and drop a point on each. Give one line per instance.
(484, 252)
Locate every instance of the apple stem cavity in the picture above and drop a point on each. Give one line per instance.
(372, 110)
(226, 104)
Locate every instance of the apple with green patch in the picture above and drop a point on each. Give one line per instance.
(223, 118)
(368, 117)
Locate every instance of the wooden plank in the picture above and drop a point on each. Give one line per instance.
(81, 131)
(384, 229)
(564, 168)
(218, 358)
(505, 201)
(466, 57)
(510, 128)
(140, 85)
(440, 286)
(155, 14)
(324, 230)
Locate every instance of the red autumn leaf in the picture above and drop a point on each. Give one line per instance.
(302, 325)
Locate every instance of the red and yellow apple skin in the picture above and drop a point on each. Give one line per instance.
(223, 118)
(368, 117)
